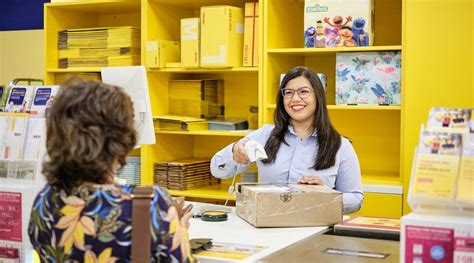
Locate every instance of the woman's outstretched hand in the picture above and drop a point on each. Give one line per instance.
(239, 153)
(311, 180)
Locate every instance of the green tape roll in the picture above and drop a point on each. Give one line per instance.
(214, 216)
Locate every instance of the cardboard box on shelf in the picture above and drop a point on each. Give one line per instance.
(251, 36)
(288, 205)
(190, 42)
(222, 36)
(160, 52)
(196, 98)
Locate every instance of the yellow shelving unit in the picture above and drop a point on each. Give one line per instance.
(373, 130)
(241, 88)
(384, 137)
(83, 14)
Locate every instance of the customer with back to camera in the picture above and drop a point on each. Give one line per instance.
(82, 215)
(302, 147)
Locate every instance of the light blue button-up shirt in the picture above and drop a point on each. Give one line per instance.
(294, 161)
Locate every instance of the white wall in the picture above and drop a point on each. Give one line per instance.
(21, 55)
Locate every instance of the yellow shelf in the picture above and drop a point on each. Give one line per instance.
(363, 107)
(72, 70)
(383, 184)
(206, 133)
(322, 51)
(353, 107)
(388, 180)
(198, 3)
(217, 192)
(99, 6)
(205, 70)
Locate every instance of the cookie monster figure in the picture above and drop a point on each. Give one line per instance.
(360, 37)
(309, 36)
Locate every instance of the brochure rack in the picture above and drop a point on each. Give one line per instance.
(442, 172)
(447, 204)
(441, 227)
(22, 147)
(19, 183)
(15, 82)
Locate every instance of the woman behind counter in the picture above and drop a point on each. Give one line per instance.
(81, 215)
(302, 146)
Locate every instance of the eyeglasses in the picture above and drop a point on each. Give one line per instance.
(303, 92)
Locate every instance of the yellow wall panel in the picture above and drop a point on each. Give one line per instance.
(375, 136)
(437, 66)
(381, 205)
(22, 55)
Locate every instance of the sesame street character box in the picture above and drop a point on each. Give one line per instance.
(338, 23)
(370, 78)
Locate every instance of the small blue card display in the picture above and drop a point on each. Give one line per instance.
(20, 99)
(44, 95)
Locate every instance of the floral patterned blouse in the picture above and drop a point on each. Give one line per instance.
(92, 223)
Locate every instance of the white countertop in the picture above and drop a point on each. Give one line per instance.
(237, 230)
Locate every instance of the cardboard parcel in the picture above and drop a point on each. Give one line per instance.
(288, 205)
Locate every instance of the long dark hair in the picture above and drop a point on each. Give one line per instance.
(89, 128)
(329, 140)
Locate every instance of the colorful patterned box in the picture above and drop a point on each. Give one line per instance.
(371, 78)
(338, 23)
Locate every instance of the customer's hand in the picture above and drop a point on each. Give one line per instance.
(185, 219)
(239, 153)
(183, 211)
(311, 180)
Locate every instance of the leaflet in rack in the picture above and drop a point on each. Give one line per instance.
(444, 162)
